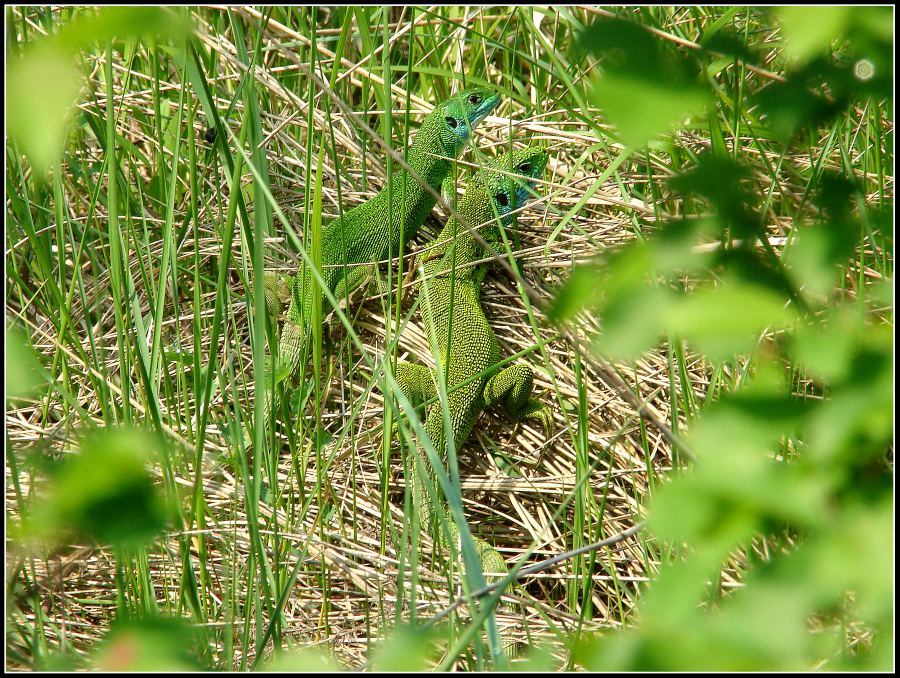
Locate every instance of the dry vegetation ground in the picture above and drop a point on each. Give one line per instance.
(347, 593)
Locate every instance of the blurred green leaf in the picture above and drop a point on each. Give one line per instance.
(581, 290)
(633, 322)
(301, 660)
(827, 350)
(610, 651)
(815, 258)
(624, 45)
(852, 555)
(817, 93)
(642, 108)
(759, 628)
(856, 423)
(747, 264)
(729, 43)
(728, 320)
(679, 633)
(406, 649)
(149, 644)
(810, 30)
(646, 88)
(673, 250)
(37, 115)
(876, 20)
(882, 292)
(727, 185)
(43, 83)
(103, 493)
(856, 358)
(110, 23)
(821, 251)
(59, 662)
(683, 585)
(627, 271)
(22, 376)
(834, 195)
(537, 659)
(740, 490)
(735, 478)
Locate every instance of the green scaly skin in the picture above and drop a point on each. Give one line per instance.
(353, 243)
(458, 331)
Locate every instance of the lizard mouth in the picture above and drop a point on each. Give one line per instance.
(486, 107)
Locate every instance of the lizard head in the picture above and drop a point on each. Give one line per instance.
(461, 113)
(511, 187)
(528, 164)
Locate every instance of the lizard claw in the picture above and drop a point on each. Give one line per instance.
(544, 415)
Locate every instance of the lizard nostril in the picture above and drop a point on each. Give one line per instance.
(502, 199)
(451, 122)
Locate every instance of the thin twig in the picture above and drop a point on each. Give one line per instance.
(540, 566)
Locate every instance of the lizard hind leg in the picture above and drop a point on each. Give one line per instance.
(286, 365)
(291, 347)
(512, 388)
(416, 383)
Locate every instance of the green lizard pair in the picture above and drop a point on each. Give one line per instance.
(451, 270)
(463, 344)
(353, 243)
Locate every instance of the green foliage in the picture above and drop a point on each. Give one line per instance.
(537, 659)
(301, 660)
(37, 115)
(150, 644)
(727, 319)
(782, 120)
(808, 476)
(639, 73)
(406, 649)
(22, 365)
(103, 494)
(819, 85)
(809, 31)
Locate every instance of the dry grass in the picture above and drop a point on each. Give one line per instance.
(347, 566)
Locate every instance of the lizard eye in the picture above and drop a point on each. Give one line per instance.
(502, 199)
(451, 122)
(474, 99)
(525, 168)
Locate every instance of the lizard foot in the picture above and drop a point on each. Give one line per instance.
(535, 409)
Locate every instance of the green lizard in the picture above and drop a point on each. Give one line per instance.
(375, 230)
(462, 342)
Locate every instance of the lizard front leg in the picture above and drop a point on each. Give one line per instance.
(512, 388)
(277, 292)
(410, 285)
(356, 277)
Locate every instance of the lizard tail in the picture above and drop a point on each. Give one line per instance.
(490, 559)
